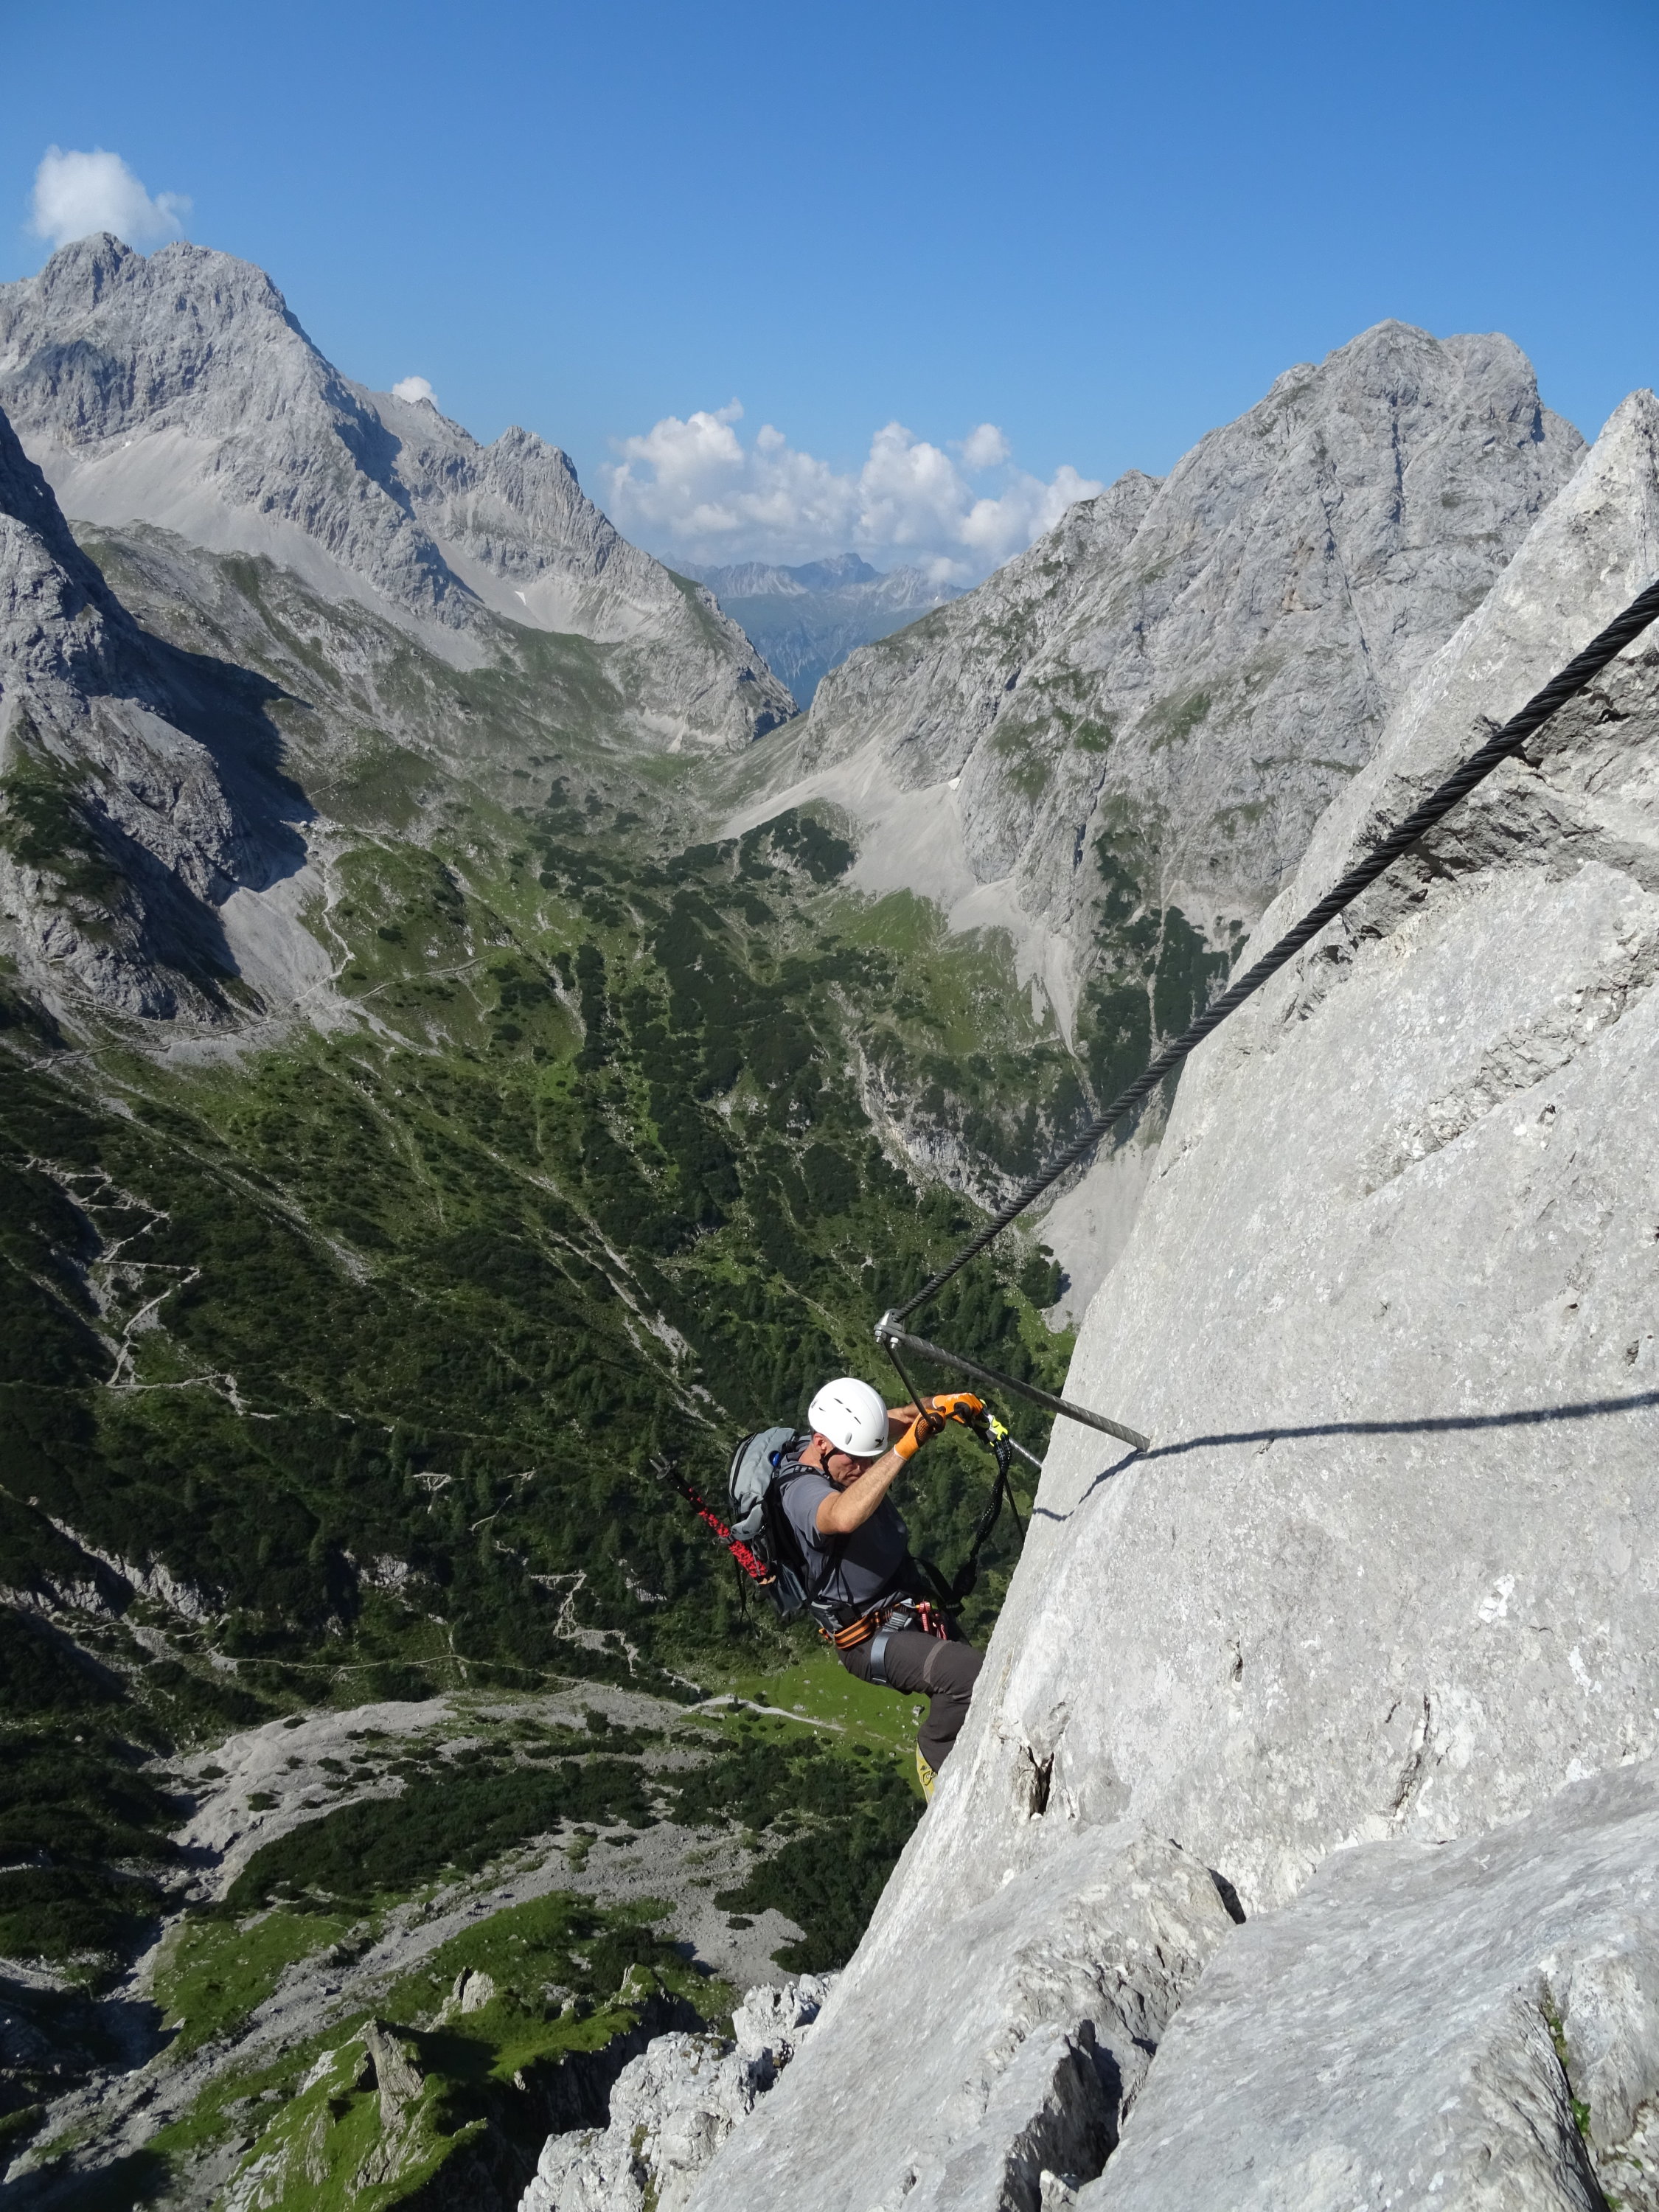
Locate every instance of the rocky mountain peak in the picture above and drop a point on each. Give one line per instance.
(83, 271)
(187, 314)
(1156, 702)
(178, 390)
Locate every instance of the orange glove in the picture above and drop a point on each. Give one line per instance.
(927, 1424)
(959, 1406)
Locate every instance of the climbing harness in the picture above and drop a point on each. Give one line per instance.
(1508, 741)
(884, 1620)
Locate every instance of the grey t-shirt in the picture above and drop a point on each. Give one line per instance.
(870, 1559)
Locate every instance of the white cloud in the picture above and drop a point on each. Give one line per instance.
(77, 193)
(412, 388)
(693, 487)
(984, 449)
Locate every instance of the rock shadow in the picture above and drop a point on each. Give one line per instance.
(1583, 1409)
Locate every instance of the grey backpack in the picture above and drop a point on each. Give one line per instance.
(758, 1520)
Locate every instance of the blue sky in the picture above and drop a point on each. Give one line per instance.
(1101, 229)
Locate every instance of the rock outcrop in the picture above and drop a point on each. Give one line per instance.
(1387, 1312)
(673, 2106)
(1059, 1973)
(178, 390)
(1472, 2024)
(140, 786)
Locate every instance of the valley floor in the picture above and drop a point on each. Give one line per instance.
(517, 1986)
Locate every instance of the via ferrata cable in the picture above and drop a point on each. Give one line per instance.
(1504, 745)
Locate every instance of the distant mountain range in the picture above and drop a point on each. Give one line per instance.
(805, 620)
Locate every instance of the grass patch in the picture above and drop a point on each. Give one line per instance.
(212, 1974)
(567, 1977)
(556, 1963)
(819, 1689)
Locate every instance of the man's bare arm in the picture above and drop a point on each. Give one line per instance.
(844, 1511)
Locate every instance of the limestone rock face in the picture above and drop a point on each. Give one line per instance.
(139, 787)
(1150, 709)
(1473, 2025)
(1061, 1975)
(178, 390)
(673, 2106)
(1387, 1570)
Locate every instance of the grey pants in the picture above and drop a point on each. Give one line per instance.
(943, 1672)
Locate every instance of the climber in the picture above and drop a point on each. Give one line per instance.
(868, 1593)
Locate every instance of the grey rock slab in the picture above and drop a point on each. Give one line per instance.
(1472, 2025)
(1387, 1312)
(178, 390)
(1060, 1976)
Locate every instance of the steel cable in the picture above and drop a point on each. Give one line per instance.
(1508, 741)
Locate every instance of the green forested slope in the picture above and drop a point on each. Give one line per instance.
(360, 1347)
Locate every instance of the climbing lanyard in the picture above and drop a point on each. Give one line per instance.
(756, 1568)
(1508, 741)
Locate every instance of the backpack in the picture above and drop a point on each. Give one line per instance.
(759, 1520)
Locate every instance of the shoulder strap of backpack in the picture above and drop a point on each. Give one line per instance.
(835, 1546)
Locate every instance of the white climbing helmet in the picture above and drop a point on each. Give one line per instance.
(852, 1415)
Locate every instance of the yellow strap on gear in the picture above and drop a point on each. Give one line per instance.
(925, 1775)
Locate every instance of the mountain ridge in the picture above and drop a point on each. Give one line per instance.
(1116, 748)
(1164, 570)
(179, 390)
